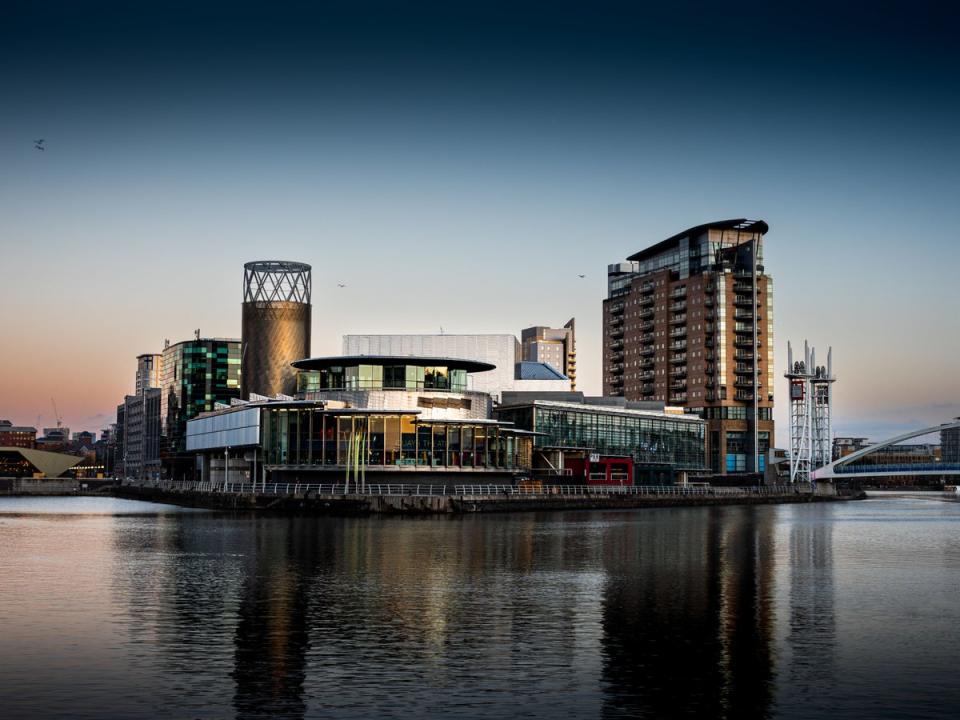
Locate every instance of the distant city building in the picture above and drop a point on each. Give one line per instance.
(556, 347)
(149, 372)
(21, 436)
(197, 374)
(275, 325)
(141, 441)
(950, 444)
(689, 322)
(55, 439)
(843, 446)
(607, 440)
(403, 419)
(501, 351)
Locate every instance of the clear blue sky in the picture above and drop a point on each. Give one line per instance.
(460, 166)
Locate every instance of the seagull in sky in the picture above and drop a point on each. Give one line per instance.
(340, 285)
(581, 276)
(38, 144)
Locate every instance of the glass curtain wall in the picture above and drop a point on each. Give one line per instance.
(293, 436)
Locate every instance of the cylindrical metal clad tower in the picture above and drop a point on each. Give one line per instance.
(276, 325)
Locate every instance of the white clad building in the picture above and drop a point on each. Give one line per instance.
(500, 350)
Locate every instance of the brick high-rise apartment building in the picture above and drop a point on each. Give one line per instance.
(689, 321)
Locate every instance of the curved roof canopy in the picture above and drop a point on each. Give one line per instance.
(742, 224)
(323, 363)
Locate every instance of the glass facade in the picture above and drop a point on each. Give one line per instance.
(311, 436)
(382, 377)
(196, 375)
(649, 440)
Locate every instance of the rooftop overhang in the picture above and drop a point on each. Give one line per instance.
(324, 363)
(748, 227)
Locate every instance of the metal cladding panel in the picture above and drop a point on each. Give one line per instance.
(274, 335)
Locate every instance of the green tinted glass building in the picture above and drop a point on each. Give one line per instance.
(196, 375)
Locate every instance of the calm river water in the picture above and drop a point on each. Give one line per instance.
(119, 609)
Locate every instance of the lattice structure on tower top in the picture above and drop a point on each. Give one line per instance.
(274, 281)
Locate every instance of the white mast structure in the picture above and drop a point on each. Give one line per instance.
(822, 397)
(811, 396)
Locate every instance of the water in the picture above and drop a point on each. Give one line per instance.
(113, 609)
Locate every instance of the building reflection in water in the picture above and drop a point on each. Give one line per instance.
(687, 617)
(272, 629)
(810, 664)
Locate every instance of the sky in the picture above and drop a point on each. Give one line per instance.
(459, 164)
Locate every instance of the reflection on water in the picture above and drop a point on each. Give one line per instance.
(718, 612)
(688, 618)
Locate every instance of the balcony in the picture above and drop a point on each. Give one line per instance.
(743, 274)
(678, 397)
(710, 397)
(744, 341)
(615, 369)
(646, 325)
(647, 375)
(678, 293)
(646, 301)
(747, 384)
(708, 342)
(710, 383)
(646, 314)
(646, 338)
(616, 344)
(616, 330)
(744, 301)
(678, 345)
(743, 396)
(678, 358)
(647, 389)
(647, 351)
(708, 301)
(646, 288)
(616, 356)
(647, 364)
(678, 306)
(617, 308)
(678, 319)
(677, 386)
(679, 372)
(745, 316)
(743, 355)
(678, 332)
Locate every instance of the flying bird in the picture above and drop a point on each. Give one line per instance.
(38, 144)
(581, 276)
(340, 285)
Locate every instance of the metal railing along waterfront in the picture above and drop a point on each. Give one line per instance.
(475, 490)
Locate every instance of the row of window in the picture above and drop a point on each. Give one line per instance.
(380, 377)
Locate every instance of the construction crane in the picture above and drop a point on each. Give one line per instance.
(56, 414)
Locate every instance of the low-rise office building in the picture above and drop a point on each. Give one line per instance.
(608, 440)
(17, 435)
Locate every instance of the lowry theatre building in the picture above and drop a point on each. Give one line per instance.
(401, 419)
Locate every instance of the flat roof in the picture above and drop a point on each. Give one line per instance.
(611, 409)
(743, 224)
(323, 363)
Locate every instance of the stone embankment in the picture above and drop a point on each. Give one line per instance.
(400, 503)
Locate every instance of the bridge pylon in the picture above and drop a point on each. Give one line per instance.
(811, 400)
